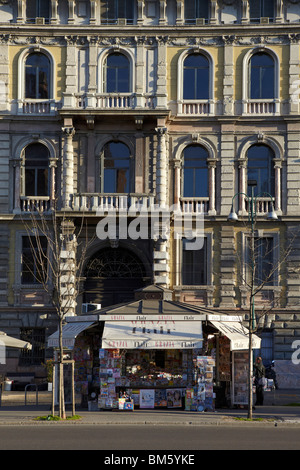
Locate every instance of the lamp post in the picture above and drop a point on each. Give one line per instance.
(233, 217)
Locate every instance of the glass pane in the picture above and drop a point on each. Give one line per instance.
(30, 182)
(196, 77)
(37, 76)
(31, 10)
(109, 180)
(43, 84)
(188, 183)
(37, 152)
(111, 82)
(261, 169)
(202, 92)
(30, 85)
(188, 84)
(267, 83)
(267, 8)
(43, 8)
(202, 9)
(190, 9)
(117, 74)
(125, 9)
(42, 182)
(201, 182)
(122, 180)
(111, 12)
(262, 79)
(194, 266)
(116, 168)
(254, 6)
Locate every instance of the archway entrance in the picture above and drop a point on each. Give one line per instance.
(112, 275)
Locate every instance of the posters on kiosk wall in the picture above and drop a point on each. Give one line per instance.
(147, 398)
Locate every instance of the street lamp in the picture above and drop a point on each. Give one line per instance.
(233, 217)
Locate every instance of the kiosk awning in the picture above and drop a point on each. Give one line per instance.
(10, 342)
(238, 335)
(154, 334)
(70, 332)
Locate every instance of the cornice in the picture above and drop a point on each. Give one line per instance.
(230, 32)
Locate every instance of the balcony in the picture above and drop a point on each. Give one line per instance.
(109, 101)
(195, 107)
(37, 107)
(266, 107)
(35, 204)
(262, 205)
(195, 205)
(92, 202)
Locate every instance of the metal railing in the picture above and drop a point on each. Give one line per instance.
(36, 393)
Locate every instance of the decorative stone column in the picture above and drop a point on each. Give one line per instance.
(162, 12)
(278, 11)
(92, 71)
(294, 73)
(177, 185)
(53, 15)
(71, 18)
(21, 16)
(16, 165)
(140, 73)
(245, 12)
(277, 169)
(67, 281)
(213, 12)
(68, 168)
(212, 163)
(161, 242)
(161, 84)
(53, 166)
(161, 168)
(140, 12)
(228, 80)
(242, 185)
(93, 15)
(179, 12)
(71, 73)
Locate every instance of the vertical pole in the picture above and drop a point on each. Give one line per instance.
(252, 310)
(73, 390)
(53, 389)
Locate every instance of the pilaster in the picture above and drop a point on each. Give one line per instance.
(68, 167)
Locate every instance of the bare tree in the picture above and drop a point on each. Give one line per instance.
(261, 263)
(58, 253)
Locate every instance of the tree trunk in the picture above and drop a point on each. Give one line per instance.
(61, 394)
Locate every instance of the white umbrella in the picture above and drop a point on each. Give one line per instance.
(10, 342)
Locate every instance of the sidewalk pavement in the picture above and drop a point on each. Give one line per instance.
(14, 412)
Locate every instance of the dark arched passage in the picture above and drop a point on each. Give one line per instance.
(112, 275)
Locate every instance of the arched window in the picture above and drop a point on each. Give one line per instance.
(260, 9)
(196, 9)
(37, 76)
(196, 77)
(116, 168)
(36, 181)
(112, 276)
(195, 172)
(116, 74)
(261, 169)
(262, 76)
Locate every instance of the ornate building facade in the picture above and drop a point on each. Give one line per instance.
(141, 102)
